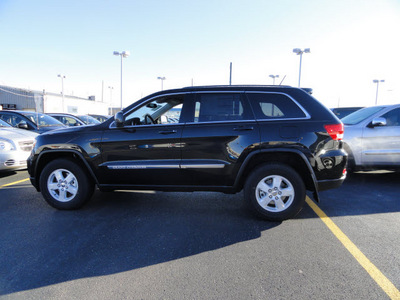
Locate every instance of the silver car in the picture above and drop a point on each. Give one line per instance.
(372, 137)
(15, 146)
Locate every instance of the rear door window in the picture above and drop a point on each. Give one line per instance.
(215, 107)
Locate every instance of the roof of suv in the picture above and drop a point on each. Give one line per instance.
(282, 88)
(243, 87)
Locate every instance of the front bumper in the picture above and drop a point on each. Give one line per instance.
(13, 160)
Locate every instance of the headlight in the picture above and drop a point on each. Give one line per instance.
(6, 145)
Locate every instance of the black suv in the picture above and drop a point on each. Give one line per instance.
(273, 142)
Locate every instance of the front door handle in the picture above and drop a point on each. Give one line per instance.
(167, 131)
(243, 128)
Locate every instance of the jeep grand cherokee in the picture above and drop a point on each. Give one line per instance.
(273, 142)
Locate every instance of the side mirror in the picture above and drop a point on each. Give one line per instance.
(379, 122)
(22, 125)
(119, 119)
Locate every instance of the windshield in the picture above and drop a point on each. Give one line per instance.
(42, 119)
(4, 124)
(361, 115)
(89, 120)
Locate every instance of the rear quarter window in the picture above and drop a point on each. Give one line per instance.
(269, 106)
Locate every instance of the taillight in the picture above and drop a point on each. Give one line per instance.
(335, 131)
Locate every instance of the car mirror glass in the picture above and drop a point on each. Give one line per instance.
(22, 125)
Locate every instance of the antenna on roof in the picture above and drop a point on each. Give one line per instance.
(230, 74)
(282, 79)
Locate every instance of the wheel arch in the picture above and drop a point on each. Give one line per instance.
(290, 157)
(47, 156)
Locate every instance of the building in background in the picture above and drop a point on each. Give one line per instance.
(41, 101)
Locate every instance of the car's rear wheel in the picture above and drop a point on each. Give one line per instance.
(65, 184)
(275, 192)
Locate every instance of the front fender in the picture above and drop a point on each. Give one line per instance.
(36, 165)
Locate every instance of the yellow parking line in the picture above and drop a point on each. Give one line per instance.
(15, 182)
(387, 286)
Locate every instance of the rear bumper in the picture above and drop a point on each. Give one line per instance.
(328, 184)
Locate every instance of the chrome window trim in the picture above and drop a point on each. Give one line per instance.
(227, 121)
(307, 115)
(147, 125)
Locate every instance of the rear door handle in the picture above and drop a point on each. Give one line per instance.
(243, 128)
(167, 131)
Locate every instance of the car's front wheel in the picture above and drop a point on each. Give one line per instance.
(65, 184)
(275, 192)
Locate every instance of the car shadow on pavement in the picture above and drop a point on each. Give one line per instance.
(7, 173)
(116, 232)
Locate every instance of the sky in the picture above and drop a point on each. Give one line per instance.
(351, 42)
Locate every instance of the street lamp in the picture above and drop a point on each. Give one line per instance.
(300, 52)
(122, 54)
(162, 80)
(377, 88)
(273, 78)
(62, 89)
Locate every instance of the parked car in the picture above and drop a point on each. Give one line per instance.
(88, 120)
(272, 142)
(33, 121)
(15, 147)
(372, 137)
(100, 118)
(67, 119)
(342, 112)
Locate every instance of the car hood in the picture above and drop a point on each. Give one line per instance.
(66, 129)
(16, 133)
(43, 129)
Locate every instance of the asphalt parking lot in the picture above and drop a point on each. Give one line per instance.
(132, 245)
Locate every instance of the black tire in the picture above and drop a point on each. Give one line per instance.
(65, 184)
(275, 192)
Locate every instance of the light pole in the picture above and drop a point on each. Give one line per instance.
(162, 80)
(122, 54)
(377, 88)
(110, 108)
(62, 89)
(300, 52)
(273, 78)
(111, 88)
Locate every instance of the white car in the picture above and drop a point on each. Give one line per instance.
(372, 138)
(15, 146)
